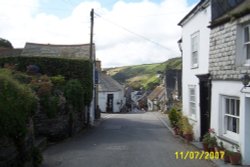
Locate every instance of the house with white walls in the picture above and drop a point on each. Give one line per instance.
(111, 94)
(195, 74)
(229, 66)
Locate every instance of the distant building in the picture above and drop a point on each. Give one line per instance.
(172, 82)
(156, 99)
(111, 94)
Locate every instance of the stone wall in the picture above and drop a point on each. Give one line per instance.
(223, 54)
(11, 156)
(63, 125)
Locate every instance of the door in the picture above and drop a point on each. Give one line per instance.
(110, 101)
(205, 98)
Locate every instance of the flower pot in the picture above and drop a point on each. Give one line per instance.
(235, 158)
(188, 137)
(226, 158)
(219, 150)
(211, 149)
(205, 147)
(176, 130)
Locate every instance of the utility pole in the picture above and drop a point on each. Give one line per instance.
(91, 57)
(91, 112)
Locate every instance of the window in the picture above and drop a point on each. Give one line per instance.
(194, 49)
(247, 42)
(243, 44)
(192, 103)
(231, 107)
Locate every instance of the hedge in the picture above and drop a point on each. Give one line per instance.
(80, 69)
(17, 104)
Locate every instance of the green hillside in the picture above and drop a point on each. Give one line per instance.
(143, 76)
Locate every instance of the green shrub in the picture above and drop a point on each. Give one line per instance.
(69, 68)
(17, 104)
(58, 81)
(21, 77)
(186, 126)
(5, 43)
(174, 117)
(74, 94)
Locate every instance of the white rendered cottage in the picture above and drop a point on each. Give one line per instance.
(111, 94)
(195, 59)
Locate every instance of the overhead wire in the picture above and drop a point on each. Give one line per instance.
(136, 34)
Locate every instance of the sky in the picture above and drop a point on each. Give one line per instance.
(126, 32)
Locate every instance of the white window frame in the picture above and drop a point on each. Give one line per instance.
(226, 132)
(241, 45)
(195, 41)
(192, 101)
(246, 43)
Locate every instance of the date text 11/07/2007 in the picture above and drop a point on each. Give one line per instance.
(197, 155)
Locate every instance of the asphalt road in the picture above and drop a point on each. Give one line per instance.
(122, 140)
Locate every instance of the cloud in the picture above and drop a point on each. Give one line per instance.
(129, 33)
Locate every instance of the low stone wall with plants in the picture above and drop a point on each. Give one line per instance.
(18, 104)
(40, 97)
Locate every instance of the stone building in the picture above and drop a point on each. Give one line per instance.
(229, 61)
(75, 51)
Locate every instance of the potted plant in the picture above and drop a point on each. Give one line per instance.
(209, 140)
(205, 141)
(174, 116)
(235, 155)
(187, 129)
(180, 126)
(212, 143)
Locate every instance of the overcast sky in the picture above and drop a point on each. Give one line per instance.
(126, 32)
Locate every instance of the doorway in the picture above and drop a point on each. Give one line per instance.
(205, 99)
(110, 101)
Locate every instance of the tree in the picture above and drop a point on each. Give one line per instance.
(5, 43)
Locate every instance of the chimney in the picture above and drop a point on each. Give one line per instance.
(98, 65)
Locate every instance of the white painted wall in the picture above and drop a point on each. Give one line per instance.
(118, 97)
(150, 105)
(198, 23)
(232, 88)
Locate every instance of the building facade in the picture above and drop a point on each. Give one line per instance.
(111, 94)
(229, 61)
(195, 59)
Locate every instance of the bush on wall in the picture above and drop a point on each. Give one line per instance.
(17, 104)
(68, 68)
(74, 94)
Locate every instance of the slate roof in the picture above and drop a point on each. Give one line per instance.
(51, 50)
(156, 93)
(194, 11)
(108, 84)
(4, 52)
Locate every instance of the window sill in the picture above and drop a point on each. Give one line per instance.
(195, 66)
(192, 118)
(228, 140)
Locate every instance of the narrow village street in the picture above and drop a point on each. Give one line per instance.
(138, 139)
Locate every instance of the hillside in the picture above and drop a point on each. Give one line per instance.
(143, 76)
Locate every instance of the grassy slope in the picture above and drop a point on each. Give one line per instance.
(143, 75)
